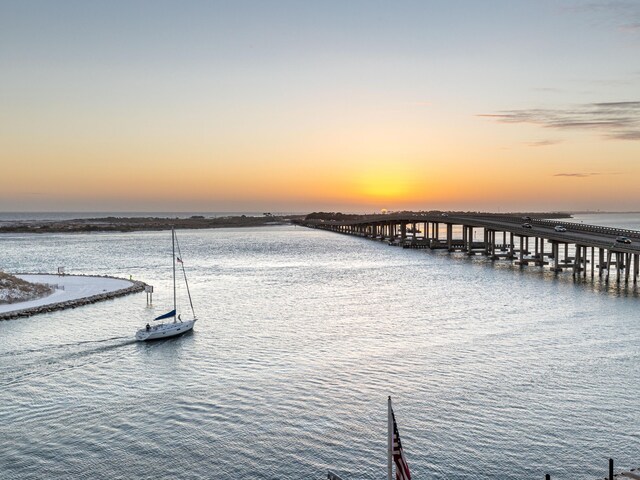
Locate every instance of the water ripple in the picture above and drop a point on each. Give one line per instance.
(302, 336)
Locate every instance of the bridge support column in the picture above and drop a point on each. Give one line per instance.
(540, 252)
(555, 246)
(600, 261)
(470, 241)
(449, 236)
(627, 267)
(521, 250)
(486, 241)
(511, 245)
(489, 244)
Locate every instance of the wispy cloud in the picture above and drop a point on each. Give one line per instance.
(548, 89)
(583, 174)
(615, 120)
(578, 175)
(631, 27)
(543, 143)
(623, 15)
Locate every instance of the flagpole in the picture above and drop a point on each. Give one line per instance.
(389, 440)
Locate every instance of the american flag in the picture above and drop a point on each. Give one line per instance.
(178, 259)
(402, 468)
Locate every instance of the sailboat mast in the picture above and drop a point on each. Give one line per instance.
(173, 249)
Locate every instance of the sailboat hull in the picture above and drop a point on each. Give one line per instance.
(164, 330)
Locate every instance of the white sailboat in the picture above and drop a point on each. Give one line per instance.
(178, 326)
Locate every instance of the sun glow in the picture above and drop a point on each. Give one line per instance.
(385, 186)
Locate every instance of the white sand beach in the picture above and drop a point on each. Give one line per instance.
(70, 287)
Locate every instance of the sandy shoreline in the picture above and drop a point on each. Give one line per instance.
(71, 291)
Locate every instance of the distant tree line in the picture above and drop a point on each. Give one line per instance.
(331, 216)
(327, 216)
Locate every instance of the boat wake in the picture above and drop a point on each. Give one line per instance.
(16, 367)
(57, 346)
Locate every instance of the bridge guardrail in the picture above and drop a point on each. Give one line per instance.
(569, 225)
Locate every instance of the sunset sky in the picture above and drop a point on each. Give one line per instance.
(296, 106)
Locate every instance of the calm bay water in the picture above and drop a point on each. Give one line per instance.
(495, 371)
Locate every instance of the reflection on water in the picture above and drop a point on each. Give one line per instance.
(301, 336)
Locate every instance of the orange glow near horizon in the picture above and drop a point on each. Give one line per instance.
(394, 171)
(349, 116)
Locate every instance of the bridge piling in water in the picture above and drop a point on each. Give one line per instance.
(424, 231)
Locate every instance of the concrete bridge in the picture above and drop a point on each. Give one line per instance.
(582, 249)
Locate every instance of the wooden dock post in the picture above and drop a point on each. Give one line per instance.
(547, 477)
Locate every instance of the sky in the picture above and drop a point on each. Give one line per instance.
(299, 106)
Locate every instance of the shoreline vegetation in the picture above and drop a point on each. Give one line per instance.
(62, 303)
(16, 290)
(135, 224)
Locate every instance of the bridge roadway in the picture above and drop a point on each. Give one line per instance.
(569, 249)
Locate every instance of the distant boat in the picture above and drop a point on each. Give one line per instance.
(178, 326)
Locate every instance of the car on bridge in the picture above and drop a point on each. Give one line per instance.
(526, 219)
(560, 228)
(622, 239)
(526, 225)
